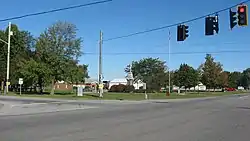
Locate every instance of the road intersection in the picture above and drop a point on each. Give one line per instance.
(221, 118)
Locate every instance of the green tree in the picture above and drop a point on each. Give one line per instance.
(187, 76)
(152, 71)
(57, 46)
(20, 51)
(35, 73)
(211, 71)
(245, 79)
(234, 79)
(223, 79)
(78, 73)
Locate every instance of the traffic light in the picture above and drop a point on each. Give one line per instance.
(242, 15)
(185, 29)
(182, 32)
(233, 19)
(216, 24)
(179, 33)
(211, 25)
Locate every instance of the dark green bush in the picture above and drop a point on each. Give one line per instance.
(129, 88)
(122, 88)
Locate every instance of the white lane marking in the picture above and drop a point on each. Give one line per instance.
(33, 104)
(243, 97)
(71, 109)
(47, 111)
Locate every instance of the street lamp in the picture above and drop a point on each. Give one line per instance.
(8, 58)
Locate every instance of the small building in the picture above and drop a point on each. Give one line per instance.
(62, 85)
(117, 81)
(137, 84)
(199, 87)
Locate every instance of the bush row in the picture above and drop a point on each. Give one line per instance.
(122, 88)
(125, 89)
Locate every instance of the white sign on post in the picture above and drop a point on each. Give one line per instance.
(79, 91)
(20, 83)
(145, 87)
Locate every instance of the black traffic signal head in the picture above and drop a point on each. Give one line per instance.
(209, 30)
(242, 15)
(182, 32)
(211, 25)
(233, 19)
(185, 29)
(216, 23)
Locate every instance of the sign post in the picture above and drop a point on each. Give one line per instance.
(79, 91)
(145, 87)
(101, 86)
(20, 83)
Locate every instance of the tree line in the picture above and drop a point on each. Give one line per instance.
(155, 73)
(44, 60)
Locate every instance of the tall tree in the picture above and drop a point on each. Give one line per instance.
(222, 80)
(234, 79)
(152, 71)
(78, 73)
(211, 71)
(245, 79)
(57, 46)
(187, 76)
(20, 51)
(35, 73)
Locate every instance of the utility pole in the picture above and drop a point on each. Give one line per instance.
(100, 66)
(169, 75)
(8, 60)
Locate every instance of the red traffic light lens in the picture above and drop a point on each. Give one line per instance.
(242, 10)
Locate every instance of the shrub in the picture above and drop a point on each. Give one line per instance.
(129, 88)
(121, 88)
(113, 88)
(140, 91)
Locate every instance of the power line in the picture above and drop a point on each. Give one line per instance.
(173, 53)
(175, 24)
(54, 10)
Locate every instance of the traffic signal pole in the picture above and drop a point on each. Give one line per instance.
(8, 60)
(169, 49)
(100, 85)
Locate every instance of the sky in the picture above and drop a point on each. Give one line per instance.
(122, 17)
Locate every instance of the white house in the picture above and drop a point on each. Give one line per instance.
(199, 87)
(138, 84)
(117, 82)
(124, 81)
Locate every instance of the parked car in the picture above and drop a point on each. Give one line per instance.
(230, 89)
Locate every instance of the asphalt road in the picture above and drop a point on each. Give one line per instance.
(219, 119)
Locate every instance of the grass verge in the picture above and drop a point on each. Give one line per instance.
(130, 96)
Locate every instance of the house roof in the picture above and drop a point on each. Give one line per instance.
(90, 80)
(119, 80)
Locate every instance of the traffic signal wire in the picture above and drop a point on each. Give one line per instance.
(55, 10)
(175, 24)
(172, 53)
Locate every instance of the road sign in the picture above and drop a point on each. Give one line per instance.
(20, 81)
(100, 86)
(7, 83)
(79, 91)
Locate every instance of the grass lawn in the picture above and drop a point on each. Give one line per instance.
(128, 96)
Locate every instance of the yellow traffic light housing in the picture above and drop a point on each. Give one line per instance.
(242, 15)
